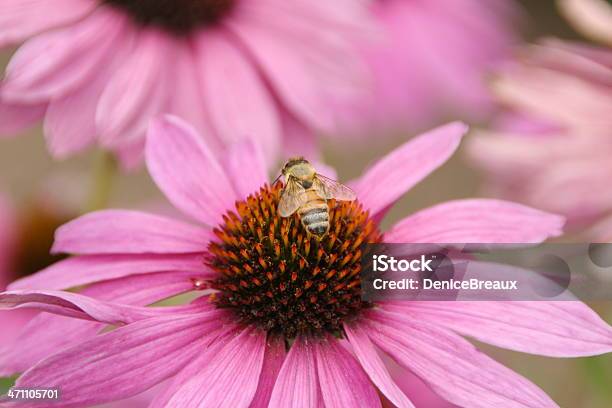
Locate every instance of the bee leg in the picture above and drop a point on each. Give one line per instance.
(277, 179)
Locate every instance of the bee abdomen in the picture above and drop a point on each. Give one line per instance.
(315, 219)
(318, 229)
(315, 215)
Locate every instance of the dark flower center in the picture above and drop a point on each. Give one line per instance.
(177, 16)
(34, 240)
(274, 276)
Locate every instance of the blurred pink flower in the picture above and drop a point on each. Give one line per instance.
(229, 348)
(26, 236)
(7, 240)
(552, 146)
(430, 63)
(98, 70)
(11, 322)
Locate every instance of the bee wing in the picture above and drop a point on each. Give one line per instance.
(327, 188)
(292, 198)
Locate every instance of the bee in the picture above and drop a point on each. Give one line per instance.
(307, 192)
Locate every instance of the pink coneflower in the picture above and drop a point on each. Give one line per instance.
(98, 70)
(551, 147)
(430, 63)
(285, 325)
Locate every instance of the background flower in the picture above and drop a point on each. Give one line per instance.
(98, 70)
(551, 148)
(232, 351)
(430, 63)
(7, 239)
(26, 236)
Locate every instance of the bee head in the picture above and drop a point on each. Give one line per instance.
(293, 161)
(299, 168)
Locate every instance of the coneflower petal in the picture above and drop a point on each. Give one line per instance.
(217, 383)
(556, 329)
(105, 368)
(18, 22)
(452, 366)
(84, 307)
(187, 172)
(297, 385)
(86, 269)
(342, 381)
(47, 333)
(231, 84)
(374, 366)
(393, 175)
(121, 231)
(52, 64)
(246, 167)
(273, 361)
(15, 118)
(476, 221)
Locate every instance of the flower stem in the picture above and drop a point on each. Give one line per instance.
(102, 174)
(6, 383)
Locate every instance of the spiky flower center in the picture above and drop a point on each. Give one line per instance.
(277, 277)
(177, 16)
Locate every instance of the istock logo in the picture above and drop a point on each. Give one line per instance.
(383, 263)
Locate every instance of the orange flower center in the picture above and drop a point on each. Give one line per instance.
(277, 277)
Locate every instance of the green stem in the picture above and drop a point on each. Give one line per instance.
(103, 172)
(6, 383)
